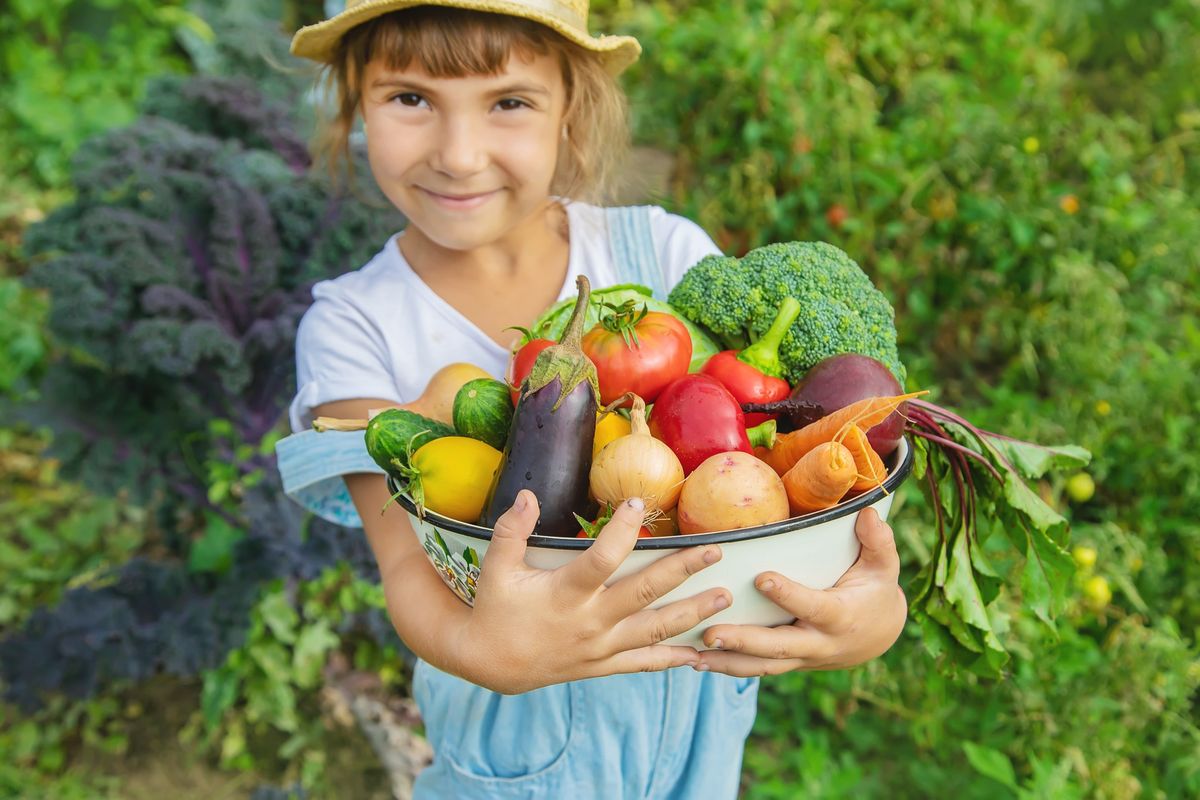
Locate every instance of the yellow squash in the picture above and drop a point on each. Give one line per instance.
(453, 475)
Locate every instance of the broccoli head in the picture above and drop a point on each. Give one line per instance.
(842, 311)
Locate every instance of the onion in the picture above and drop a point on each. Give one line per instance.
(637, 465)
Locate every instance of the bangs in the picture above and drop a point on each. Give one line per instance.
(447, 42)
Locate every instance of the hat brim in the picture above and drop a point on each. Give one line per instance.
(319, 42)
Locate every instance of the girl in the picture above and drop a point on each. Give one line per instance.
(483, 119)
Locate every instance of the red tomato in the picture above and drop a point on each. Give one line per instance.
(658, 351)
(522, 362)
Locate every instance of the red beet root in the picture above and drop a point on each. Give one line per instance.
(840, 380)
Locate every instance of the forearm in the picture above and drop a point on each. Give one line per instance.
(422, 609)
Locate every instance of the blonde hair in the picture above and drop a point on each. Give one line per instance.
(451, 43)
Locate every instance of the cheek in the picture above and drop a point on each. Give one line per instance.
(390, 149)
(532, 155)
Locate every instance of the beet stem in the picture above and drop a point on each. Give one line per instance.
(955, 446)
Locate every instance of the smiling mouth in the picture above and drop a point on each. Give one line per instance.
(459, 200)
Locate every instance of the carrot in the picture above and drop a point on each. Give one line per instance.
(820, 478)
(867, 463)
(866, 414)
(773, 457)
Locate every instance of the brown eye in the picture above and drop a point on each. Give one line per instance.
(410, 99)
(511, 104)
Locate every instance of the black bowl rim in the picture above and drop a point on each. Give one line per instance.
(790, 525)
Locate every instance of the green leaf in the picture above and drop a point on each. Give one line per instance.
(992, 764)
(277, 612)
(218, 695)
(273, 659)
(940, 609)
(1046, 576)
(213, 552)
(1026, 501)
(312, 646)
(1035, 460)
(963, 593)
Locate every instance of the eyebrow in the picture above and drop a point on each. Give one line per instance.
(417, 86)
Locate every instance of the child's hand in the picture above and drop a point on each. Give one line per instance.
(533, 627)
(855, 621)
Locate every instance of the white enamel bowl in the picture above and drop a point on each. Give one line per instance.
(814, 550)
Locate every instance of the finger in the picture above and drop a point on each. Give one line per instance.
(785, 642)
(615, 541)
(659, 624)
(654, 658)
(511, 534)
(635, 592)
(741, 665)
(821, 609)
(878, 544)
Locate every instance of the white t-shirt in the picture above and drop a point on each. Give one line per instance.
(382, 332)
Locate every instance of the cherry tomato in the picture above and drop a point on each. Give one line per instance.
(637, 351)
(522, 362)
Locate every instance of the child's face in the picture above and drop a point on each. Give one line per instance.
(466, 160)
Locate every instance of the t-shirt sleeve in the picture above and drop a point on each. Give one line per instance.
(340, 355)
(680, 242)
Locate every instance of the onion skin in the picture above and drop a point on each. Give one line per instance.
(637, 465)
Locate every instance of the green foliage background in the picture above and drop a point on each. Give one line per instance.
(1020, 178)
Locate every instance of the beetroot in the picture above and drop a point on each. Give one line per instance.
(840, 380)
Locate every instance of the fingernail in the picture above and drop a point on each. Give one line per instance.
(636, 504)
(717, 644)
(711, 555)
(521, 502)
(766, 585)
(721, 602)
(701, 668)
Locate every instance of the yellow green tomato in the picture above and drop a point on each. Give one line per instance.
(1085, 557)
(455, 474)
(1096, 593)
(1080, 487)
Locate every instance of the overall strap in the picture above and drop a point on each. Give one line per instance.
(634, 254)
(311, 466)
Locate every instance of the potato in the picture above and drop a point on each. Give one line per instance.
(728, 491)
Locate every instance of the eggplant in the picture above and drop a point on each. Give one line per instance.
(549, 445)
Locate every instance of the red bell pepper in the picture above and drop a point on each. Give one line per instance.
(753, 375)
(697, 417)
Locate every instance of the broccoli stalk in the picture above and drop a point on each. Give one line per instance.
(763, 355)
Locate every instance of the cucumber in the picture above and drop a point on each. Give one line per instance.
(393, 435)
(483, 410)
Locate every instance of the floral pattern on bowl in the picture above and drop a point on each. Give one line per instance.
(459, 571)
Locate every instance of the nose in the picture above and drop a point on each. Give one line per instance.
(461, 151)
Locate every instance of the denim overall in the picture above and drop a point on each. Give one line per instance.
(675, 735)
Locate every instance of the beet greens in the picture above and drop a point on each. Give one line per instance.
(969, 474)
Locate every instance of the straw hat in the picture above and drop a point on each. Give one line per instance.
(568, 17)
